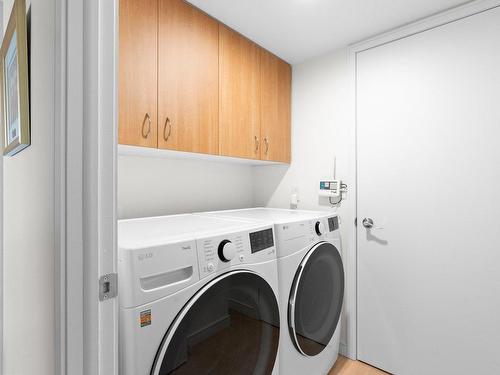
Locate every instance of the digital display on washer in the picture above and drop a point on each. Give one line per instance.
(333, 223)
(261, 240)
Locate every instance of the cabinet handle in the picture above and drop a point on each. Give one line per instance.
(165, 135)
(267, 145)
(256, 143)
(147, 119)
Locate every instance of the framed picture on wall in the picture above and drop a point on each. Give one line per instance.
(14, 84)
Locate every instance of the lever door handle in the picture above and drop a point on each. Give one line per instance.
(368, 223)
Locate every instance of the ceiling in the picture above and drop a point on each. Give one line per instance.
(297, 30)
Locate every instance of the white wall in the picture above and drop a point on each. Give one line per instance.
(29, 217)
(321, 131)
(151, 186)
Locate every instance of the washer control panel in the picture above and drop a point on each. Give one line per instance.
(319, 228)
(221, 252)
(226, 251)
(261, 240)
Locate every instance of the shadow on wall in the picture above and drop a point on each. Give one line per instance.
(275, 185)
(157, 186)
(268, 180)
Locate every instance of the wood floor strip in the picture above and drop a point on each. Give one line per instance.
(346, 366)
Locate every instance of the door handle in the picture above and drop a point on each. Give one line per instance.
(169, 124)
(266, 141)
(256, 143)
(147, 120)
(368, 223)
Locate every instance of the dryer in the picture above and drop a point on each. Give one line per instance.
(311, 285)
(198, 295)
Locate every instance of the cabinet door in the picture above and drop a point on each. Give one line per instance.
(138, 73)
(188, 79)
(239, 95)
(275, 108)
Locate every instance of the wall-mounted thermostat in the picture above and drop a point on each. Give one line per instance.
(330, 188)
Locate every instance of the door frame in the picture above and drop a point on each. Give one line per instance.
(428, 23)
(86, 332)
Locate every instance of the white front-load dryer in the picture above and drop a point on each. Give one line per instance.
(198, 295)
(311, 285)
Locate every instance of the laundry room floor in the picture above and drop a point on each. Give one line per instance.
(346, 366)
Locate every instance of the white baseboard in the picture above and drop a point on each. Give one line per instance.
(343, 350)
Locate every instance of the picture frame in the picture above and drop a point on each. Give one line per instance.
(14, 82)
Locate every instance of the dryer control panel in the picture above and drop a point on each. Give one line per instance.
(295, 236)
(221, 252)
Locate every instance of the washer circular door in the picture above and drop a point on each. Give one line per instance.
(230, 326)
(316, 299)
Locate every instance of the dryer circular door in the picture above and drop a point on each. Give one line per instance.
(316, 299)
(230, 326)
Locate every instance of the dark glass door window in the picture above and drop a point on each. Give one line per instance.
(316, 299)
(231, 326)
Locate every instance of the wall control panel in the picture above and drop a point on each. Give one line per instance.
(330, 188)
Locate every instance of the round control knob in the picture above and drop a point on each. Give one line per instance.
(227, 251)
(320, 228)
(210, 267)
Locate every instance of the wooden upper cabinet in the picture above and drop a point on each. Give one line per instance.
(276, 78)
(188, 48)
(239, 95)
(189, 83)
(138, 73)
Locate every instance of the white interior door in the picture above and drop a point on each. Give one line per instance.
(428, 117)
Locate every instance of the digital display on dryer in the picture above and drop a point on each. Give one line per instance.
(261, 240)
(333, 223)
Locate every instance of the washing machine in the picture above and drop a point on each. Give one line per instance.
(198, 295)
(311, 285)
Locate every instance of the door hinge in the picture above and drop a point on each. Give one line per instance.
(108, 286)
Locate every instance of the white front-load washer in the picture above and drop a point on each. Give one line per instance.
(198, 295)
(311, 285)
